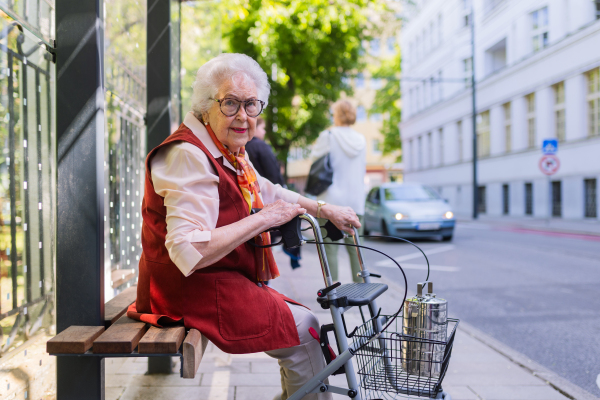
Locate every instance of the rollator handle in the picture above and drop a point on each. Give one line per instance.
(323, 292)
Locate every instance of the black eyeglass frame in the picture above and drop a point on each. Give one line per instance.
(262, 106)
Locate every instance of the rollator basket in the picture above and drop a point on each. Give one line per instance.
(387, 371)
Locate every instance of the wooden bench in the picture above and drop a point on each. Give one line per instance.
(124, 337)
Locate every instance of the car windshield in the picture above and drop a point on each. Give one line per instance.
(410, 193)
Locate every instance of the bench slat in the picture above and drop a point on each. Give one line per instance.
(117, 306)
(162, 340)
(122, 336)
(193, 350)
(74, 340)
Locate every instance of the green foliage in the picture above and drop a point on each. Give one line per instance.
(388, 102)
(200, 41)
(310, 45)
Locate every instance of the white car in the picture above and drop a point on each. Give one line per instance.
(408, 210)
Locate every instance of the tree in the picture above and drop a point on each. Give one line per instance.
(388, 102)
(307, 47)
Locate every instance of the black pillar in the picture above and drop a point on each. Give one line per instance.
(158, 72)
(80, 143)
(158, 102)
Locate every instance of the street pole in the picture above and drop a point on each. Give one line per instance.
(473, 97)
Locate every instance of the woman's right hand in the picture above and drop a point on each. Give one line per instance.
(280, 212)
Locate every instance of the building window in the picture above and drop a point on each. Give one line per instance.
(361, 114)
(529, 199)
(507, 127)
(590, 195)
(411, 153)
(593, 99)
(556, 199)
(597, 8)
(429, 150)
(466, 13)
(441, 145)
(481, 200)
(539, 28)
(559, 111)
(505, 199)
(530, 98)
(483, 134)
(420, 152)
(459, 131)
(468, 71)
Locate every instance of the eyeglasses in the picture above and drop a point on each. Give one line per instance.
(230, 107)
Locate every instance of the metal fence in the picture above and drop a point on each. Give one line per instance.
(125, 140)
(27, 173)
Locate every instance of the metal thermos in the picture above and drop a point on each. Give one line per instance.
(425, 319)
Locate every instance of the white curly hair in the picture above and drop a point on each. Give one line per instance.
(211, 76)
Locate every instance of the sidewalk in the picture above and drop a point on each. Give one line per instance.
(583, 227)
(480, 368)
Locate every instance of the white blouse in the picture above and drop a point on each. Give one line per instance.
(183, 176)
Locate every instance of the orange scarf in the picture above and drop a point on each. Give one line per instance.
(246, 178)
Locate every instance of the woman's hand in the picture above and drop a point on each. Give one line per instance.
(280, 212)
(343, 217)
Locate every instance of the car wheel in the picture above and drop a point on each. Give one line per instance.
(447, 238)
(384, 229)
(365, 230)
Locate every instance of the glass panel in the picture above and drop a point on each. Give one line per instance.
(410, 193)
(125, 140)
(37, 16)
(27, 203)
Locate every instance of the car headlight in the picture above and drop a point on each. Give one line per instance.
(449, 215)
(400, 216)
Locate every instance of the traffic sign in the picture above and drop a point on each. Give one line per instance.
(549, 146)
(549, 164)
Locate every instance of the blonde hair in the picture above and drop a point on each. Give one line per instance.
(344, 111)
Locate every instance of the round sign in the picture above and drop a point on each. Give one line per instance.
(549, 164)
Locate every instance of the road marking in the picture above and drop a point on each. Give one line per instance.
(598, 380)
(412, 256)
(441, 268)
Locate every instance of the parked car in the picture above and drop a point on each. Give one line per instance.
(408, 210)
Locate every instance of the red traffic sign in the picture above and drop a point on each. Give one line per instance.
(549, 164)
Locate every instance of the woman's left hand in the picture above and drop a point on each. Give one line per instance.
(343, 217)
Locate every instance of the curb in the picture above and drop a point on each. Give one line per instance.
(557, 382)
(513, 225)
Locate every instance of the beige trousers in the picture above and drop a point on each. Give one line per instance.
(300, 363)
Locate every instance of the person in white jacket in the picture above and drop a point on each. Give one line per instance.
(347, 150)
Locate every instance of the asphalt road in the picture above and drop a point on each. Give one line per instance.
(537, 293)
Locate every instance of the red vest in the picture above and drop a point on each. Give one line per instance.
(223, 301)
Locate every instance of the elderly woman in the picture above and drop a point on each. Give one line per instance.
(196, 265)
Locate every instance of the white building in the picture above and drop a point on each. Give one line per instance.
(537, 68)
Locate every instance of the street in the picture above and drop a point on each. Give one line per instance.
(536, 292)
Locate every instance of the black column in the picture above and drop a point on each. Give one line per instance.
(158, 102)
(158, 72)
(80, 143)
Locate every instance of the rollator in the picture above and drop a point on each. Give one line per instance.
(390, 363)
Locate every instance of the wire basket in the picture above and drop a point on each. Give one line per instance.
(384, 362)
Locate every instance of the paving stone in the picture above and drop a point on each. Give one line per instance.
(224, 378)
(170, 393)
(517, 392)
(255, 393)
(113, 393)
(460, 393)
